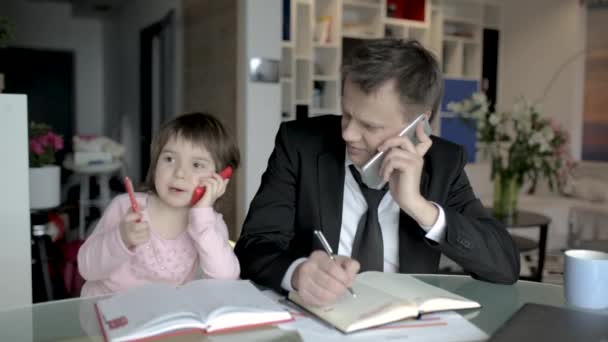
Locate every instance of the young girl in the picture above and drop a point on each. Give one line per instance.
(167, 239)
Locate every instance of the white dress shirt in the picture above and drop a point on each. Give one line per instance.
(353, 207)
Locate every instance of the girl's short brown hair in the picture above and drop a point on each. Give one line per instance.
(200, 129)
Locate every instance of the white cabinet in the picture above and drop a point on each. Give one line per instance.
(15, 244)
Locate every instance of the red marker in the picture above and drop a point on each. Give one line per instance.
(200, 191)
(129, 187)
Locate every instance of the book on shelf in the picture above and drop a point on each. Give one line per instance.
(207, 306)
(384, 298)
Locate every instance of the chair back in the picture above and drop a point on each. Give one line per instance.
(588, 228)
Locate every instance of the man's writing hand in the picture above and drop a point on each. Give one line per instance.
(320, 280)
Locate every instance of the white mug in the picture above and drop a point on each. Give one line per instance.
(586, 279)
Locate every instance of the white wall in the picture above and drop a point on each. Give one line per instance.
(537, 37)
(50, 25)
(122, 55)
(259, 106)
(15, 247)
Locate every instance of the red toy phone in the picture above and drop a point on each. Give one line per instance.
(198, 193)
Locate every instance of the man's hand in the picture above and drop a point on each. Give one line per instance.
(320, 280)
(402, 168)
(133, 230)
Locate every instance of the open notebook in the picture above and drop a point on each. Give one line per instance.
(207, 305)
(384, 298)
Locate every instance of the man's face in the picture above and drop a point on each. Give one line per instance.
(369, 119)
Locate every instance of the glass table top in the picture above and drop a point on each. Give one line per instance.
(75, 319)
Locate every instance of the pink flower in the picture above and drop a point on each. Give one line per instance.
(36, 147)
(43, 140)
(55, 140)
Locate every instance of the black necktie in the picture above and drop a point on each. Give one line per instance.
(368, 248)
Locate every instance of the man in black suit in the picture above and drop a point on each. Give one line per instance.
(312, 182)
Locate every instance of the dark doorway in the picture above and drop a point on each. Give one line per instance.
(156, 82)
(47, 78)
(490, 64)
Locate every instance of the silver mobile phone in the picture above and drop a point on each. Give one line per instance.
(371, 170)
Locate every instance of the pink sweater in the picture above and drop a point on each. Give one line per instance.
(108, 266)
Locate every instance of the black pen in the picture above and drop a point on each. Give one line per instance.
(327, 248)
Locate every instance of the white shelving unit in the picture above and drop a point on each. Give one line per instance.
(362, 18)
(462, 24)
(310, 70)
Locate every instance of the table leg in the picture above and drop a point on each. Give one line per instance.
(542, 250)
(104, 191)
(44, 265)
(84, 203)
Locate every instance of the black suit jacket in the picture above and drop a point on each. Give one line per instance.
(302, 190)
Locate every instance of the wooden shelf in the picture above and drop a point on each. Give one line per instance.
(361, 4)
(462, 20)
(359, 35)
(467, 40)
(406, 23)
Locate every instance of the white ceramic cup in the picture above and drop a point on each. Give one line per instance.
(586, 279)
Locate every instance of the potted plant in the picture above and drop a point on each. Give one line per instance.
(6, 31)
(522, 145)
(44, 175)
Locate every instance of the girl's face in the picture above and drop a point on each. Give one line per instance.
(180, 168)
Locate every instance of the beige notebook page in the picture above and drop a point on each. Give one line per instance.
(427, 297)
(371, 307)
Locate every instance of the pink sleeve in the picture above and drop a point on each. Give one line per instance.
(104, 251)
(210, 234)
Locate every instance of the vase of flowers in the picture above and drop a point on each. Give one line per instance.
(44, 175)
(522, 146)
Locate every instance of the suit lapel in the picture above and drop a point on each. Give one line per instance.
(331, 194)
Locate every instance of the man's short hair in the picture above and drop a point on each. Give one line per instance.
(414, 69)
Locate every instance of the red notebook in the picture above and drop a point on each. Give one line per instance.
(209, 306)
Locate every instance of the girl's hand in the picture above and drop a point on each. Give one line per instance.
(215, 187)
(132, 232)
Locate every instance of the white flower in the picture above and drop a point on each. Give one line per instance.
(544, 146)
(480, 98)
(455, 107)
(494, 119)
(536, 139)
(548, 133)
(484, 107)
(478, 114)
